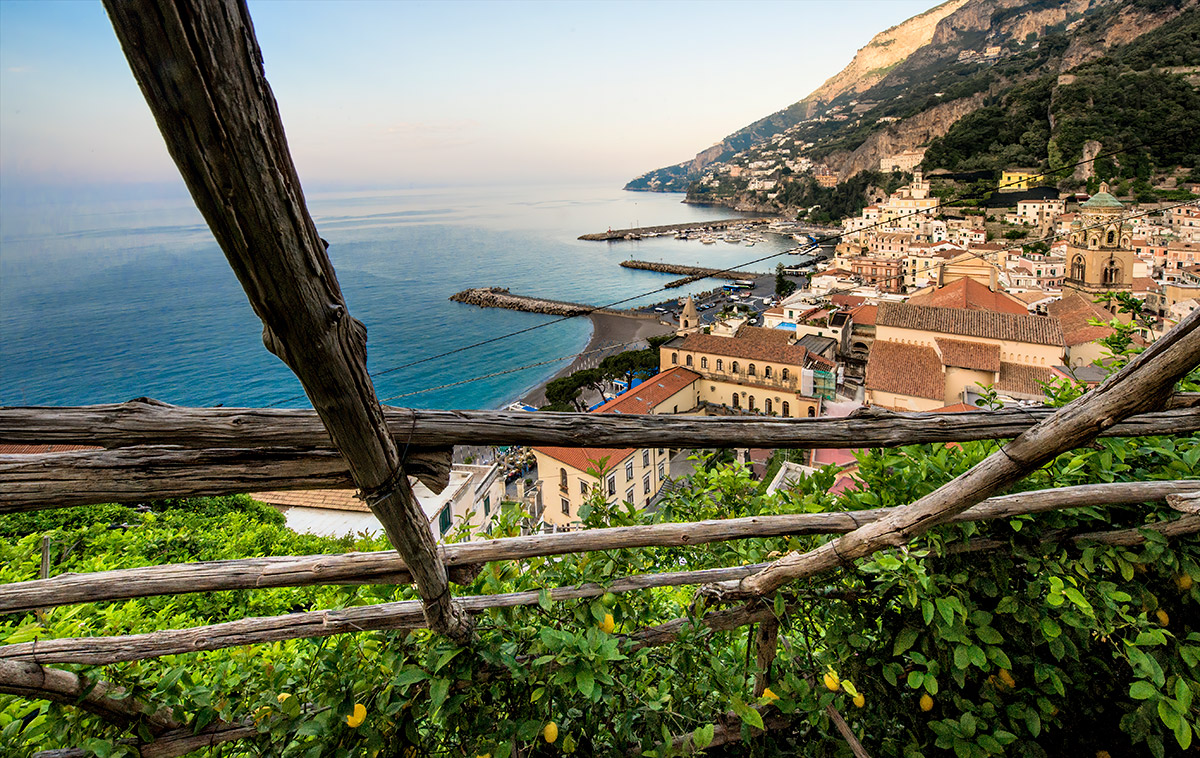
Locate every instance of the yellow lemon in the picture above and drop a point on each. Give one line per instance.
(859, 700)
(484, 755)
(550, 733)
(1184, 582)
(926, 703)
(1102, 754)
(1007, 678)
(355, 719)
(261, 714)
(607, 625)
(832, 683)
(1163, 618)
(769, 695)
(283, 696)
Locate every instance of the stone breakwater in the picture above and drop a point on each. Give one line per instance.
(691, 272)
(500, 297)
(655, 231)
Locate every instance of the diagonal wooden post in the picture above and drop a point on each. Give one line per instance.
(1144, 384)
(201, 70)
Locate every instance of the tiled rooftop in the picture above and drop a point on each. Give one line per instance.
(1038, 330)
(906, 370)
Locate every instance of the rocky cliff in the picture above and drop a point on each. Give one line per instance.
(907, 89)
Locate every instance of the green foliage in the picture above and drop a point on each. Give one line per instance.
(1037, 646)
(783, 285)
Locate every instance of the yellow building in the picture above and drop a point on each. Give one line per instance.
(1014, 179)
(759, 370)
(927, 357)
(568, 476)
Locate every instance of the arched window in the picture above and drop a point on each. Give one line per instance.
(736, 403)
(1078, 268)
(1112, 272)
(704, 363)
(720, 367)
(1112, 237)
(812, 411)
(752, 403)
(784, 375)
(688, 361)
(562, 479)
(767, 372)
(767, 405)
(750, 370)
(674, 357)
(735, 367)
(787, 409)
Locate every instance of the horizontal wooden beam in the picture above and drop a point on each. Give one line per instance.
(108, 701)
(138, 474)
(149, 422)
(404, 614)
(463, 559)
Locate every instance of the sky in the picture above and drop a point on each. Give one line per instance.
(397, 94)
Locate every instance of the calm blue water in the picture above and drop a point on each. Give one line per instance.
(124, 293)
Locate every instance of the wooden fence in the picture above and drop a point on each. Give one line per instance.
(200, 69)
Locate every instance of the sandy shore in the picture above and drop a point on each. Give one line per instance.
(610, 335)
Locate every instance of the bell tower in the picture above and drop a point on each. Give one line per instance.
(1099, 252)
(689, 318)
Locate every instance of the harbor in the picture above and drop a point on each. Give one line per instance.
(690, 273)
(500, 297)
(669, 230)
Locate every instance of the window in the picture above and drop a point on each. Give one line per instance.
(566, 506)
(1112, 236)
(736, 403)
(787, 411)
(628, 470)
(735, 367)
(487, 505)
(662, 472)
(767, 372)
(582, 487)
(767, 405)
(646, 457)
(674, 357)
(688, 361)
(704, 362)
(612, 484)
(812, 412)
(784, 375)
(750, 370)
(444, 520)
(720, 367)
(562, 479)
(629, 495)
(662, 451)
(646, 484)
(752, 403)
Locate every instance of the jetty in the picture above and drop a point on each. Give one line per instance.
(657, 231)
(691, 273)
(500, 297)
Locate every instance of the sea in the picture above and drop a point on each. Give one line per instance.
(116, 293)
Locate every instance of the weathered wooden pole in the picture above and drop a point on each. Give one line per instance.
(201, 70)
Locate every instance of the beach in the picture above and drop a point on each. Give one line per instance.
(611, 334)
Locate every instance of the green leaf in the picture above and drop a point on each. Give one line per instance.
(444, 658)
(988, 635)
(544, 599)
(1050, 628)
(1033, 722)
(977, 656)
(1183, 734)
(438, 692)
(410, 676)
(1183, 693)
(1142, 690)
(962, 658)
(916, 679)
(752, 717)
(927, 611)
(904, 640)
(585, 682)
(703, 736)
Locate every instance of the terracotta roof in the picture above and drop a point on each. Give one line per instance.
(848, 301)
(982, 356)
(776, 311)
(646, 396)
(1030, 296)
(1037, 330)
(970, 294)
(956, 408)
(1145, 284)
(1019, 379)
(585, 458)
(864, 314)
(906, 370)
(770, 345)
(39, 449)
(338, 500)
(1073, 313)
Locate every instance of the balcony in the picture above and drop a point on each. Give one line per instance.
(791, 384)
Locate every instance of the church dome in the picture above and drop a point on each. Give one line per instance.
(1102, 200)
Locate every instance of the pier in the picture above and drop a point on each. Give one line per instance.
(500, 297)
(656, 231)
(691, 273)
